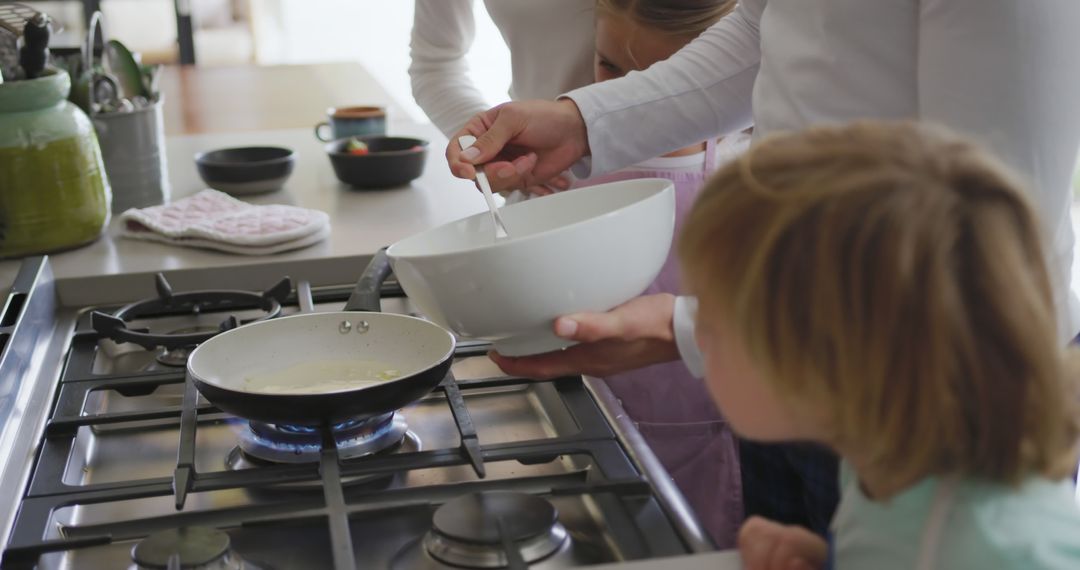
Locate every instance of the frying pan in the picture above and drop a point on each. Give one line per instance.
(230, 369)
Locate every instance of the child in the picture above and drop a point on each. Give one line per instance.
(882, 289)
(669, 405)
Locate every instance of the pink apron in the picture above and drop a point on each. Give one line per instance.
(673, 409)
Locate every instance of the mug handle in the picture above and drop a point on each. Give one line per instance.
(318, 134)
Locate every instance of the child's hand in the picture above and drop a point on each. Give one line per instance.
(767, 545)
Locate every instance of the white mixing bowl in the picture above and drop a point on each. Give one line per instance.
(588, 249)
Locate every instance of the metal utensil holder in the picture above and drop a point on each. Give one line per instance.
(132, 142)
(13, 18)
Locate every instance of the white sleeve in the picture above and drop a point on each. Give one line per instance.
(682, 320)
(704, 90)
(1006, 74)
(442, 33)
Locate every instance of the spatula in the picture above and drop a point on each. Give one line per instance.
(500, 227)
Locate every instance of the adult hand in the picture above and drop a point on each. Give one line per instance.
(521, 144)
(635, 334)
(557, 184)
(767, 545)
(562, 182)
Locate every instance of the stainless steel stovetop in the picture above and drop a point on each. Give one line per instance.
(112, 458)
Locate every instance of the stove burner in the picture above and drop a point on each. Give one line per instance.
(471, 531)
(115, 327)
(179, 356)
(175, 357)
(237, 460)
(303, 444)
(186, 547)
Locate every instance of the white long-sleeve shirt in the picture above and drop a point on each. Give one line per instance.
(551, 51)
(1003, 72)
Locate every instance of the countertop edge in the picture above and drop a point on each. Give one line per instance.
(123, 287)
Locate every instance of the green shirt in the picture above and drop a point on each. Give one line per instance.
(987, 526)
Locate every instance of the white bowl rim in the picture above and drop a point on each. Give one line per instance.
(666, 186)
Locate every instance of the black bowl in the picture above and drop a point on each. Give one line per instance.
(246, 170)
(391, 161)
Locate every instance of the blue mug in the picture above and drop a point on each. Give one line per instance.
(352, 122)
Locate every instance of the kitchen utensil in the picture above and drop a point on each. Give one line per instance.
(586, 250)
(53, 192)
(352, 122)
(500, 227)
(246, 170)
(151, 78)
(390, 161)
(132, 137)
(235, 369)
(13, 18)
(84, 73)
(105, 91)
(35, 51)
(9, 56)
(127, 70)
(133, 146)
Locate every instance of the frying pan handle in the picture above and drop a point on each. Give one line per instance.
(303, 295)
(366, 295)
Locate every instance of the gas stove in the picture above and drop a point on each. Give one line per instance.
(113, 459)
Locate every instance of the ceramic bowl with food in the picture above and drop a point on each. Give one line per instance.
(377, 161)
(246, 170)
(588, 249)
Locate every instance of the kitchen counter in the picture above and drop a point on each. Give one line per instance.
(231, 99)
(109, 270)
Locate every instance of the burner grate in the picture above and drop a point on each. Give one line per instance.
(114, 326)
(616, 476)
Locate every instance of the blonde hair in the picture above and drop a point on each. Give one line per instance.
(675, 17)
(891, 276)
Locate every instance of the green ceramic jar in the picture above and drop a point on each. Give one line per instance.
(53, 191)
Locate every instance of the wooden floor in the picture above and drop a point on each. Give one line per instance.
(252, 98)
